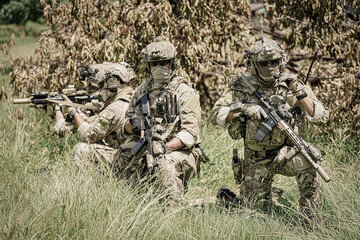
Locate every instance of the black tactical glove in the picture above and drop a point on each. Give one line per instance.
(137, 124)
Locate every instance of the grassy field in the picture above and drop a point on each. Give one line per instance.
(24, 47)
(42, 196)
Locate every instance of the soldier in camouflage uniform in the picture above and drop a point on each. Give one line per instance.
(63, 127)
(275, 154)
(176, 113)
(99, 132)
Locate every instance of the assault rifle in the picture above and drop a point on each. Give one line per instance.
(40, 99)
(276, 118)
(146, 134)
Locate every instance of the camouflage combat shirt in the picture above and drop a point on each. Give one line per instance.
(183, 125)
(279, 94)
(105, 126)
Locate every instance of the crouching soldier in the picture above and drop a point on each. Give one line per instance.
(99, 132)
(267, 149)
(63, 127)
(163, 120)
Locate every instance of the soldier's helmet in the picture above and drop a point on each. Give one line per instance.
(263, 51)
(159, 50)
(113, 74)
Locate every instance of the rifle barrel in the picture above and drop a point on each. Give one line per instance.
(21, 100)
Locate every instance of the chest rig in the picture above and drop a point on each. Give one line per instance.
(249, 127)
(165, 109)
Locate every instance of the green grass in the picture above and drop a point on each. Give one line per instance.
(42, 196)
(24, 45)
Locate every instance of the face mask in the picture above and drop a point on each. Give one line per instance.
(267, 74)
(160, 73)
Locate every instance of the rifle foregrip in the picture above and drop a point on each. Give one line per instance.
(21, 100)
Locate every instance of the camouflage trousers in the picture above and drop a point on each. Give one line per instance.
(260, 167)
(174, 170)
(85, 154)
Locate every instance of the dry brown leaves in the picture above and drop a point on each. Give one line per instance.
(332, 29)
(210, 37)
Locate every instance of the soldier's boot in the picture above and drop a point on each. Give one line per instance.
(227, 198)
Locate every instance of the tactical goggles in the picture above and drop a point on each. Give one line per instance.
(161, 63)
(269, 63)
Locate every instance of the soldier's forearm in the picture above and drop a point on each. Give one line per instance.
(78, 120)
(308, 105)
(175, 144)
(58, 114)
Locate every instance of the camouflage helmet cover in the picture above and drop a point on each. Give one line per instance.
(265, 49)
(122, 70)
(160, 49)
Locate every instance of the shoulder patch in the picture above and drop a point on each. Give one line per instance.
(193, 105)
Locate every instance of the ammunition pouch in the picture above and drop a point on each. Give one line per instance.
(237, 128)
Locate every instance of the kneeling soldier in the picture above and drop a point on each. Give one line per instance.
(100, 131)
(163, 117)
(268, 150)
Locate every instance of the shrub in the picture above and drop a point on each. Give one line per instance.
(20, 11)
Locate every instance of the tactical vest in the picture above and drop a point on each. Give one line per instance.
(279, 95)
(165, 107)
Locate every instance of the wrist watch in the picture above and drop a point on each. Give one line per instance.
(302, 95)
(73, 112)
(56, 108)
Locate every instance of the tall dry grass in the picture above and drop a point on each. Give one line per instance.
(42, 196)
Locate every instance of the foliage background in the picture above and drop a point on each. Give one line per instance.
(210, 37)
(41, 197)
(331, 28)
(20, 11)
